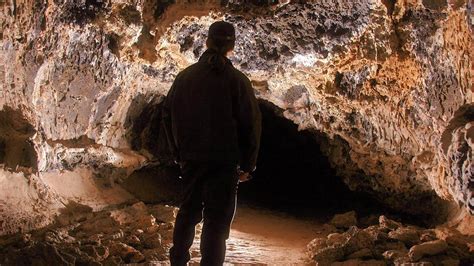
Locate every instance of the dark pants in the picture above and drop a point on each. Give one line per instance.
(210, 191)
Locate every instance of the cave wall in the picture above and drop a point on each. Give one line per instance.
(390, 83)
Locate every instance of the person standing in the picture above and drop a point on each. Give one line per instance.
(213, 125)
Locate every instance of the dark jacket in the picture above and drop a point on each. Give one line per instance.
(211, 114)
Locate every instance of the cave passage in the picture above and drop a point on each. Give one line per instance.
(16, 148)
(294, 176)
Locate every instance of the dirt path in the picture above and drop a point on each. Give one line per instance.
(260, 237)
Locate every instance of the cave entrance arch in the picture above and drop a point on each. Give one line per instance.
(292, 173)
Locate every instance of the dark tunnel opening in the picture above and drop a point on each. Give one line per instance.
(17, 151)
(294, 176)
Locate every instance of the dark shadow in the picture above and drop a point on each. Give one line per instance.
(16, 149)
(294, 176)
(143, 124)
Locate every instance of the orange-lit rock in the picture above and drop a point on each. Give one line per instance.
(389, 83)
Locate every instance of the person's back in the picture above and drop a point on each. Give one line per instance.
(204, 110)
(212, 122)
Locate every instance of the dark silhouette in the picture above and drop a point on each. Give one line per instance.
(213, 125)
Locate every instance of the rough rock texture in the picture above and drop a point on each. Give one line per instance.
(389, 83)
(392, 245)
(80, 236)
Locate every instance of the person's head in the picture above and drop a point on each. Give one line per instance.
(221, 37)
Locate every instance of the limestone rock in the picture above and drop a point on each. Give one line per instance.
(158, 254)
(164, 213)
(126, 252)
(428, 235)
(357, 240)
(361, 254)
(427, 248)
(74, 212)
(450, 262)
(454, 238)
(377, 233)
(99, 253)
(336, 239)
(133, 241)
(409, 236)
(344, 220)
(328, 254)
(385, 246)
(388, 224)
(420, 263)
(356, 262)
(315, 245)
(394, 254)
(152, 241)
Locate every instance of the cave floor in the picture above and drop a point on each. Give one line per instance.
(262, 236)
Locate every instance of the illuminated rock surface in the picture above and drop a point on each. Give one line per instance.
(386, 84)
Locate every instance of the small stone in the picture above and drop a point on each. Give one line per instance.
(361, 254)
(145, 221)
(394, 254)
(316, 244)
(389, 224)
(451, 262)
(113, 260)
(166, 231)
(402, 259)
(454, 238)
(94, 239)
(100, 224)
(344, 220)
(126, 252)
(428, 248)
(357, 262)
(336, 239)
(55, 237)
(152, 229)
(136, 216)
(408, 236)
(164, 213)
(74, 212)
(167, 226)
(102, 252)
(133, 241)
(420, 263)
(152, 241)
(427, 235)
(328, 255)
(157, 254)
(116, 235)
(376, 233)
(99, 253)
(358, 239)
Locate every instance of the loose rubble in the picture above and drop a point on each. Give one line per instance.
(126, 234)
(390, 242)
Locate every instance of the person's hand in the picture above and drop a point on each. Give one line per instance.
(244, 176)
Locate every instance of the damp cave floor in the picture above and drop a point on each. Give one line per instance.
(262, 236)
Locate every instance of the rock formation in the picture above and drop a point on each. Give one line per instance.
(389, 85)
(388, 242)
